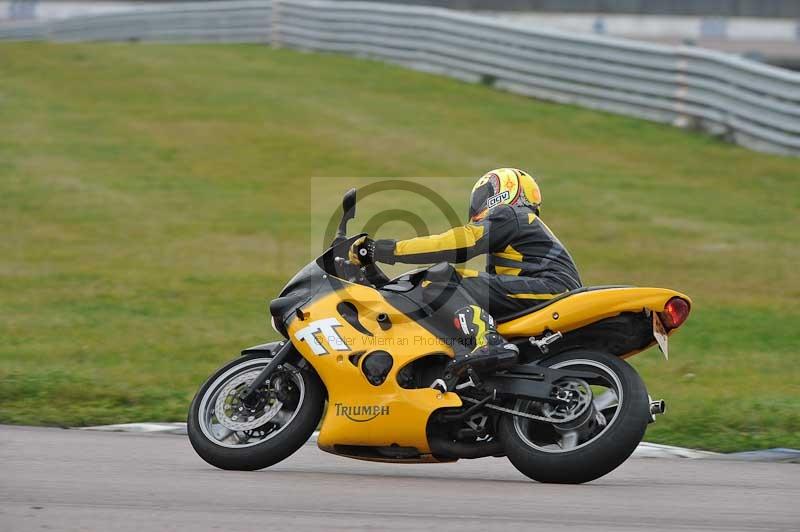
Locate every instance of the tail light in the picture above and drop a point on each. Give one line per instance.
(675, 313)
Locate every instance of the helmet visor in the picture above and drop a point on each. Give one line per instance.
(477, 203)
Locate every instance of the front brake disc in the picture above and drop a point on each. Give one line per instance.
(233, 414)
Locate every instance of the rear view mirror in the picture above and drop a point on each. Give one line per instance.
(348, 212)
(349, 205)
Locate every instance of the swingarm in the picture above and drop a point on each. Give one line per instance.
(536, 383)
(563, 394)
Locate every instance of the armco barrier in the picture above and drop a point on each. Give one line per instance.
(754, 105)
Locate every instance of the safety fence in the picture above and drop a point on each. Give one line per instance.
(749, 103)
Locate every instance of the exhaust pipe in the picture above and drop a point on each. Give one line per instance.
(657, 408)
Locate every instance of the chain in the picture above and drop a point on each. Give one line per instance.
(518, 413)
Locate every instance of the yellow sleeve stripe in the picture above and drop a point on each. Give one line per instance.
(510, 253)
(456, 238)
(466, 273)
(531, 217)
(532, 296)
(504, 270)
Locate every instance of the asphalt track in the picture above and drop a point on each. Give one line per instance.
(65, 480)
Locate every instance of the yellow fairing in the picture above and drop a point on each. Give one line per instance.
(581, 309)
(359, 413)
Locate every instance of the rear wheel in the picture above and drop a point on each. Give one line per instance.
(606, 419)
(231, 433)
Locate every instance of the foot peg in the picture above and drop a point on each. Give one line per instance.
(472, 381)
(444, 386)
(544, 343)
(477, 363)
(440, 385)
(483, 362)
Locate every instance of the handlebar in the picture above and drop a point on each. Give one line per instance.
(350, 271)
(368, 275)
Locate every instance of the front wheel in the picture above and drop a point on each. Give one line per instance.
(606, 419)
(230, 433)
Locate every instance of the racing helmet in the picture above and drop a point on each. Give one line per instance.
(504, 186)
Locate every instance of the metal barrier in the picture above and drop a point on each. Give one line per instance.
(754, 105)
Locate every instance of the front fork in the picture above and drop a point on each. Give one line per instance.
(284, 349)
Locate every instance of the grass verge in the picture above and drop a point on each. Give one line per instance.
(154, 197)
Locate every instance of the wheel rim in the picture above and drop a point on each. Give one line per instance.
(227, 423)
(544, 437)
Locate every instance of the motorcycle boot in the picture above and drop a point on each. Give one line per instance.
(490, 351)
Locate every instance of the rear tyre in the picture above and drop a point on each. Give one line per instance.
(621, 413)
(229, 434)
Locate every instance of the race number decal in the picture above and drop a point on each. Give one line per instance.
(322, 331)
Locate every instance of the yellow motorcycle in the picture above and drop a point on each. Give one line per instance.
(360, 352)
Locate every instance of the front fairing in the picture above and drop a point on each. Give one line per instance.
(298, 291)
(316, 276)
(306, 279)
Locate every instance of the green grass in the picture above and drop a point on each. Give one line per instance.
(152, 198)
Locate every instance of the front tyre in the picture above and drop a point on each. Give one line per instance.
(229, 433)
(592, 445)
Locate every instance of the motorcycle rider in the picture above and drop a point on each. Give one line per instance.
(526, 265)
